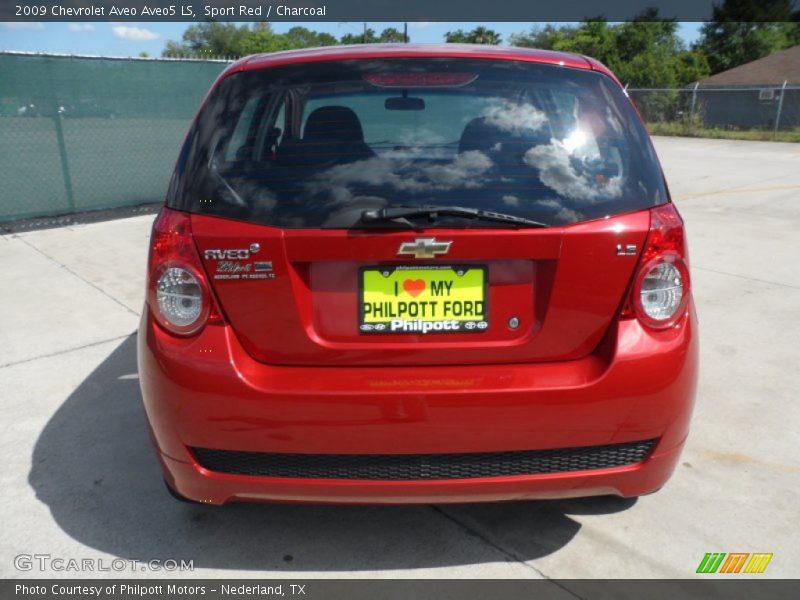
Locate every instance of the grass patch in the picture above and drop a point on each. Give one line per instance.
(682, 129)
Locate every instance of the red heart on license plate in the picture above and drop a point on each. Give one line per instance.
(414, 286)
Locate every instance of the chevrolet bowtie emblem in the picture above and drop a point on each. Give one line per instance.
(424, 248)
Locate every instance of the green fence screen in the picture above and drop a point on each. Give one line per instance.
(81, 133)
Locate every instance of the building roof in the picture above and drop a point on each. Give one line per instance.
(770, 70)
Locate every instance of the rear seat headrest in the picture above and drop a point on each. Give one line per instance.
(333, 123)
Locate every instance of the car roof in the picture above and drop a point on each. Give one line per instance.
(364, 51)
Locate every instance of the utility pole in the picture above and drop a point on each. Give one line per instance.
(780, 108)
(691, 110)
(405, 32)
(365, 33)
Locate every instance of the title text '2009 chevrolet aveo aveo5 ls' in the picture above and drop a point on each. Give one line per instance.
(396, 274)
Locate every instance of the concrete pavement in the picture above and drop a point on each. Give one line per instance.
(80, 479)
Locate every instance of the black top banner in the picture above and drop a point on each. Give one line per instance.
(355, 10)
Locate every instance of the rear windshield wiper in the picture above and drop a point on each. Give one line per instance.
(433, 212)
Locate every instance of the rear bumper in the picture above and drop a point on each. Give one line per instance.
(215, 488)
(206, 392)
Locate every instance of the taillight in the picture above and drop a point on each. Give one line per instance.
(180, 297)
(660, 289)
(177, 291)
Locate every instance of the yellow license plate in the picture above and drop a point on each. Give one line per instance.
(423, 299)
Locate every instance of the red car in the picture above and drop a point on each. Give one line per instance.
(417, 274)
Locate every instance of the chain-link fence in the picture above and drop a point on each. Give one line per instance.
(81, 133)
(757, 112)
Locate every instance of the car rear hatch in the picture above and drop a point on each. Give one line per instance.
(549, 294)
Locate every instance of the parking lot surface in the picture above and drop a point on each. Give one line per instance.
(81, 481)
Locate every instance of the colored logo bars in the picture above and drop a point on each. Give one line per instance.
(736, 562)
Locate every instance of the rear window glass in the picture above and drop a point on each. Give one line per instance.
(316, 145)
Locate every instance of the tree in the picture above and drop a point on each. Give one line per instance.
(391, 35)
(594, 38)
(691, 66)
(644, 52)
(301, 37)
(647, 49)
(387, 36)
(261, 38)
(367, 37)
(545, 38)
(217, 39)
(226, 39)
(479, 35)
(741, 31)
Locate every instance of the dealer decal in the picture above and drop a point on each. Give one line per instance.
(423, 299)
(239, 263)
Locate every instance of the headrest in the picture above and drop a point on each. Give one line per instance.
(333, 123)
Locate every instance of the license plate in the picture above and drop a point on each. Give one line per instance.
(423, 299)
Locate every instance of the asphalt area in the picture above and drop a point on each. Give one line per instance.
(80, 479)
